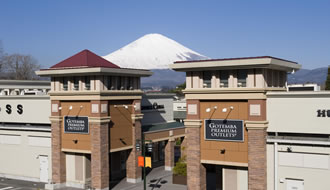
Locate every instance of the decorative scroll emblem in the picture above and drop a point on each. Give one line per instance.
(76, 124)
(224, 130)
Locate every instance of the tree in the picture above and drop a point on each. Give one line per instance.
(19, 67)
(178, 89)
(1, 56)
(327, 82)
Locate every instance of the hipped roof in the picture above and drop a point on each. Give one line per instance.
(84, 58)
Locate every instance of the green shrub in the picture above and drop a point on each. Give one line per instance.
(327, 82)
(178, 142)
(180, 167)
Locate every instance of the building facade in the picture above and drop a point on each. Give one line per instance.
(226, 125)
(298, 146)
(25, 138)
(96, 122)
(242, 129)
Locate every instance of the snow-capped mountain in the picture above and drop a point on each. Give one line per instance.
(152, 51)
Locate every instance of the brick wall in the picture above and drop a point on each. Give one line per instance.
(196, 172)
(257, 175)
(58, 157)
(169, 155)
(100, 155)
(133, 172)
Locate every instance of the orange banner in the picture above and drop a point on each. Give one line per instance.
(140, 161)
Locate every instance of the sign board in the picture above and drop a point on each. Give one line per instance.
(76, 124)
(224, 130)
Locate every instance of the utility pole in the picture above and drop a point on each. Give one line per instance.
(143, 149)
(144, 162)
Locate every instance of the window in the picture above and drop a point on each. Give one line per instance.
(119, 83)
(207, 76)
(130, 83)
(241, 78)
(270, 78)
(75, 83)
(65, 84)
(125, 81)
(110, 87)
(224, 76)
(87, 83)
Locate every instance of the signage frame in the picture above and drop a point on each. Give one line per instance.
(222, 140)
(82, 133)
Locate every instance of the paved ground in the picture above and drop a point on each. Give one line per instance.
(10, 184)
(157, 179)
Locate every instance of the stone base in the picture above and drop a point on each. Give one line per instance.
(131, 180)
(76, 185)
(52, 186)
(168, 168)
(107, 188)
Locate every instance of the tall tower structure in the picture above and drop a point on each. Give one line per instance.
(226, 123)
(95, 112)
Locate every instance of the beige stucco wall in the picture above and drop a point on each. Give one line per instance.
(36, 109)
(21, 160)
(235, 179)
(270, 166)
(314, 170)
(297, 112)
(76, 169)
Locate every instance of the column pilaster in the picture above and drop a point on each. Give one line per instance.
(257, 155)
(169, 155)
(100, 152)
(99, 125)
(133, 172)
(58, 157)
(196, 172)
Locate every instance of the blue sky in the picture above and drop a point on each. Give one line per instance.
(51, 31)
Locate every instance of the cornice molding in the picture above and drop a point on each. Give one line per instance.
(256, 125)
(192, 123)
(99, 120)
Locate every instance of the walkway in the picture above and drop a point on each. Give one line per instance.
(157, 179)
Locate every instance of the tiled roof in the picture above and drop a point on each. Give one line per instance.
(84, 58)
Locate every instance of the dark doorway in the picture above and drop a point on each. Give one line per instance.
(117, 166)
(213, 177)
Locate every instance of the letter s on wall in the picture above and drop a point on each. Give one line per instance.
(19, 109)
(8, 107)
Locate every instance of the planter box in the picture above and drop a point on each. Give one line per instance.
(179, 179)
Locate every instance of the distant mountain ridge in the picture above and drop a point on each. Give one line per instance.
(164, 78)
(318, 75)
